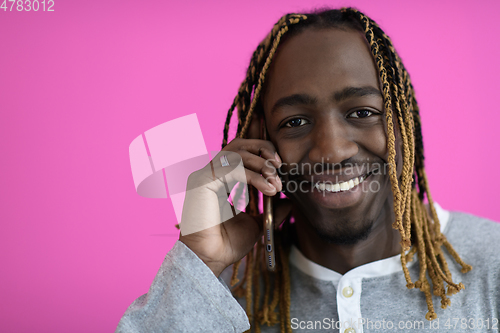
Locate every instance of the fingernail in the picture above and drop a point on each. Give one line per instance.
(271, 186)
(279, 182)
(277, 158)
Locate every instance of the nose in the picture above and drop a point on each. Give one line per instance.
(332, 141)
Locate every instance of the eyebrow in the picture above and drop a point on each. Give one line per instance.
(344, 94)
(350, 92)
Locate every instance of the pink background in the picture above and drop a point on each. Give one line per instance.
(77, 85)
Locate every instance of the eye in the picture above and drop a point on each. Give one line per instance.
(295, 122)
(360, 114)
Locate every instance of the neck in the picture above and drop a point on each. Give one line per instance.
(382, 242)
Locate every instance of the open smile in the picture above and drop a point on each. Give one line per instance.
(342, 186)
(335, 194)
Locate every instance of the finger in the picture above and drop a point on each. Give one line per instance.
(262, 148)
(262, 166)
(227, 166)
(248, 177)
(268, 185)
(211, 175)
(260, 183)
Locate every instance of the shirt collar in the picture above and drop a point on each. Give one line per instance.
(377, 268)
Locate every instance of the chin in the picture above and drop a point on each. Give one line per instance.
(343, 232)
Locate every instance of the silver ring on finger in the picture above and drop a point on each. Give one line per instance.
(223, 161)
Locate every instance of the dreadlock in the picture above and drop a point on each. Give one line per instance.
(419, 229)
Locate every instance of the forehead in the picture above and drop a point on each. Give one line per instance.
(318, 62)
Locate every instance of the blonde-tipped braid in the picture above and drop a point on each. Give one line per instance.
(419, 229)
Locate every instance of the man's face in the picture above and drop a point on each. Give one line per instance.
(324, 113)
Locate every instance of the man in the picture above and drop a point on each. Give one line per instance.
(329, 90)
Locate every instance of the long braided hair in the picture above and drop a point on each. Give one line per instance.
(419, 230)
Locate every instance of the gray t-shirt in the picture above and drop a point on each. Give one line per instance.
(185, 295)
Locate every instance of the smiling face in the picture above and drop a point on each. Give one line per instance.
(324, 113)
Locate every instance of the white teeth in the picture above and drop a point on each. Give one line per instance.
(344, 186)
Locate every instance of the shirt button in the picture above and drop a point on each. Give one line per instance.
(347, 292)
(349, 330)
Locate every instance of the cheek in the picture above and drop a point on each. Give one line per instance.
(375, 142)
(290, 152)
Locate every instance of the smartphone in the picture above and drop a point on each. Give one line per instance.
(268, 220)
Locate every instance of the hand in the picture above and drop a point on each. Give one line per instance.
(222, 244)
